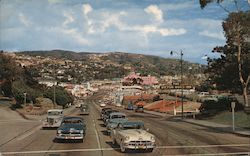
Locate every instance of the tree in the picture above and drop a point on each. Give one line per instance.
(9, 71)
(234, 64)
(62, 96)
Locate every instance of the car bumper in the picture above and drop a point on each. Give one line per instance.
(139, 146)
(69, 137)
(51, 126)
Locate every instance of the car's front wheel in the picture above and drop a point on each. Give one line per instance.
(123, 149)
(150, 150)
(113, 141)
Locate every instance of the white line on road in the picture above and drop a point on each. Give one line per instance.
(104, 149)
(110, 149)
(224, 154)
(29, 133)
(205, 146)
(97, 136)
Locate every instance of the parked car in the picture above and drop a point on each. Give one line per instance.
(114, 115)
(102, 105)
(53, 119)
(84, 109)
(71, 128)
(106, 114)
(139, 109)
(132, 135)
(113, 123)
(103, 112)
(130, 107)
(209, 97)
(78, 105)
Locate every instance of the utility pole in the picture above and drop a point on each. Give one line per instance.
(54, 87)
(181, 55)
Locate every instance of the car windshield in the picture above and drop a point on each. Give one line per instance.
(69, 121)
(54, 113)
(117, 116)
(133, 125)
(84, 106)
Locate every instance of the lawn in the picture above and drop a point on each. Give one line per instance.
(241, 119)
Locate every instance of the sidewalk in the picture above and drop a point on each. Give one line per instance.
(204, 123)
(221, 127)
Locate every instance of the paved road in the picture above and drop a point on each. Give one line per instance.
(174, 137)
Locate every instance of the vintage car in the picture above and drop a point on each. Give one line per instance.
(53, 119)
(84, 109)
(102, 105)
(132, 135)
(71, 128)
(139, 109)
(107, 113)
(113, 123)
(103, 112)
(114, 115)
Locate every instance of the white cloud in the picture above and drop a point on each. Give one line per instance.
(69, 18)
(172, 32)
(86, 8)
(216, 35)
(113, 19)
(75, 35)
(24, 20)
(156, 12)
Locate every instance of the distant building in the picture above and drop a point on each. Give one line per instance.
(135, 78)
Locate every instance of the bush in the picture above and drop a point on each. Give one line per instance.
(211, 107)
(19, 88)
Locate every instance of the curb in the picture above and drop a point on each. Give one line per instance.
(219, 129)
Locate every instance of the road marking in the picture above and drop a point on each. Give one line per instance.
(97, 136)
(29, 133)
(236, 153)
(205, 146)
(59, 151)
(103, 149)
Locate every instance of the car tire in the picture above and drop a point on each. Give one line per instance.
(150, 150)
(123, 149)
(114, 142)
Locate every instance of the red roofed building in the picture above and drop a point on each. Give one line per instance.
(135, 78)
(148, 98)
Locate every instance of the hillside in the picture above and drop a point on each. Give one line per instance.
(118, 64)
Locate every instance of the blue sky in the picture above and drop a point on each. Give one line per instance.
(152, 27)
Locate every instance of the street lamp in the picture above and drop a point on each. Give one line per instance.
(181, 55)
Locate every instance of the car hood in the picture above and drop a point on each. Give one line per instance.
(70, 127)
(54, 116)
(118, 120)
(136, 134)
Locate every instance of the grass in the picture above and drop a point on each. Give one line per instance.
(241, 119)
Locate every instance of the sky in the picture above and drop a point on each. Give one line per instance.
(152, 27)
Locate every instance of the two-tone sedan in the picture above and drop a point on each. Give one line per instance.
(132, 135)
(72, 128)
(113, 123)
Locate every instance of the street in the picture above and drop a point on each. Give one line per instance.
(174, 137)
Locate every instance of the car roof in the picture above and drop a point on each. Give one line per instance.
(132, 123)
(72, 118)
(55, 110)
(117, 113)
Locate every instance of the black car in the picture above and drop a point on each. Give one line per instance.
(103, 111)
(71, 128)
(84, 109)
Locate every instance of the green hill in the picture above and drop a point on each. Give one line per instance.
(118, 64)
